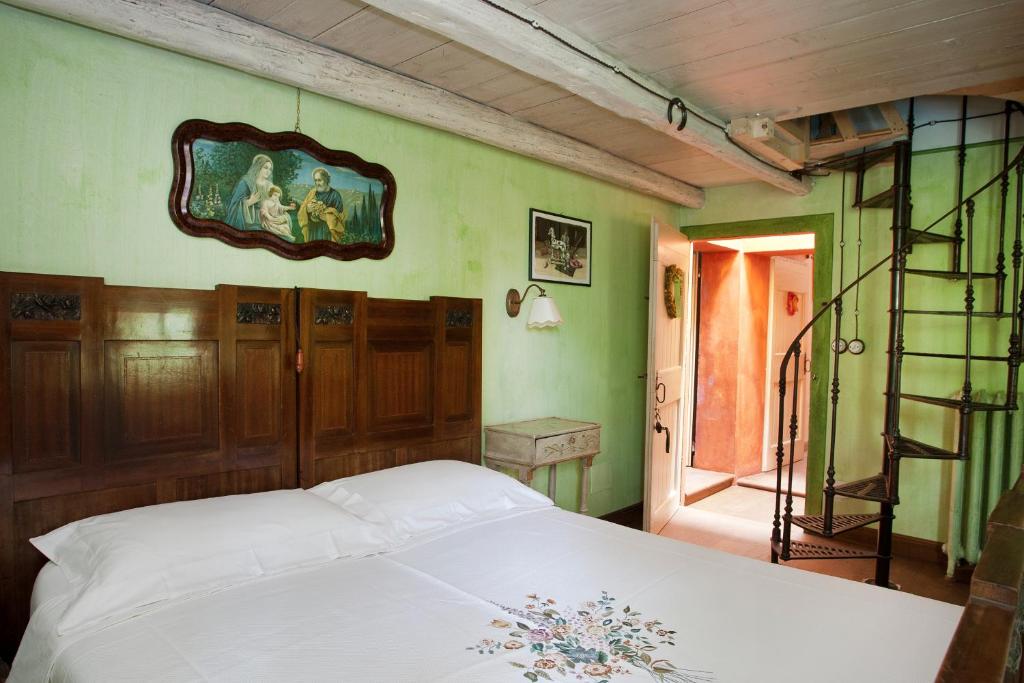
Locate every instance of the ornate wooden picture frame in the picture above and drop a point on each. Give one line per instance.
(284, 192)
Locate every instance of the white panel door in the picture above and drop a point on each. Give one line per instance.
(789, 310)
(668, 393)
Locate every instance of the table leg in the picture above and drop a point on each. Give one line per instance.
(551, 481)
(525, 475)
(585, 483)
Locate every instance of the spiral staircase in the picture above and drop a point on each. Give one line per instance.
(1005, 304)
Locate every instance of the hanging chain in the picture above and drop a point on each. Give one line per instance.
(838, 343)
(298, 108)
(842, 231)
(856, 298)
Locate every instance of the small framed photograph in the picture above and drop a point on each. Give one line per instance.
(560, 248)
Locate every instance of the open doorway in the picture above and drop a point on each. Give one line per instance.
(738, 518)
(753, 296)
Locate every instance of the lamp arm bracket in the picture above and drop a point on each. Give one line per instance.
(513, 299)
(531, 286)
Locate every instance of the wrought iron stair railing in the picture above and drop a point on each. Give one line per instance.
(883, 488)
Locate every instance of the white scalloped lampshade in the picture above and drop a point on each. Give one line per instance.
(544, 313)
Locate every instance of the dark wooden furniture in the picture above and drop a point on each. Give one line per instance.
(986, 647)
(117, 397)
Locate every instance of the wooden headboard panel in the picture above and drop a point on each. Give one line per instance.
(388, 381)
(118, 397)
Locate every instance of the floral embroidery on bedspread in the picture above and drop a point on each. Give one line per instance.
(593, 642)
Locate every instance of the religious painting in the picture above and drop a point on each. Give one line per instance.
(279, 191)
(560, 248)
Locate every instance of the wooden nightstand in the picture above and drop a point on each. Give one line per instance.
(530, 444)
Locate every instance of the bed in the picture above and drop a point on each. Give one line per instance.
(137, 398)
(526, 590)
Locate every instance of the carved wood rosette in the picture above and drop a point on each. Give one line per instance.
(40, 306)
(333, 315)
(458, 318)
(258, 314)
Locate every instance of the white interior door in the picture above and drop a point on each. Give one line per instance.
(789, 310)
(668, 396)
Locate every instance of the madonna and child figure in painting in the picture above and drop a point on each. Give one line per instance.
(288, 194)
(250, 192)
(274, 215)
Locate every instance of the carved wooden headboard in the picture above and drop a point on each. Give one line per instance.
(117, 397)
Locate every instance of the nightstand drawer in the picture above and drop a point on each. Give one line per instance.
(568, 446)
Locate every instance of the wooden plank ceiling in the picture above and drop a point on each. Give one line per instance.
(781, 58)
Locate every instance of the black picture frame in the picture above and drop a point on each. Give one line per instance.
(560, 249)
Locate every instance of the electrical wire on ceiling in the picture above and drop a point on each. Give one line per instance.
(672, 102)
(1001, 112)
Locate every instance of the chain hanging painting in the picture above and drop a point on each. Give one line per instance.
(279, 191)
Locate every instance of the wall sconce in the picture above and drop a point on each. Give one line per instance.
(543, 312)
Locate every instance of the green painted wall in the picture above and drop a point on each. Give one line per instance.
(924, 488)
(87, 169)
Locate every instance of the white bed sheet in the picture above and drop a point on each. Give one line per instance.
(433, 611)
(50, 583)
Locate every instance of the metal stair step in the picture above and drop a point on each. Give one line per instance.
(961, 314)
(815, 524)
(948, 274)
(909, 448)
(922, 237)
(882, 200)
(873, 488)
(803, 550)
(956, 356)
(976, 406)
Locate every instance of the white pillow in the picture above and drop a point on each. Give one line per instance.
(120, 563)
(430, 496)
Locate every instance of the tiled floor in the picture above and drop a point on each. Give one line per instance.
(700, 484)
(766, 480)
(738, 520)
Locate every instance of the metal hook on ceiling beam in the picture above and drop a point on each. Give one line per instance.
(683, 111)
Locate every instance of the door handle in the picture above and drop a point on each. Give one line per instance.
(658, 427)
(664, 393)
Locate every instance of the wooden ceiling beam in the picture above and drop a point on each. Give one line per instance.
(197, 30)
(498, 34)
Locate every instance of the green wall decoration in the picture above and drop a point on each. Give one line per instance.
(673, 290)
(85, 177)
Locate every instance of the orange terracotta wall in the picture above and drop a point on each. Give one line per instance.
(731, 362)
(752, 363)
(716, 362)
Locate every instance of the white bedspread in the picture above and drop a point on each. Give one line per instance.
(454, 608)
